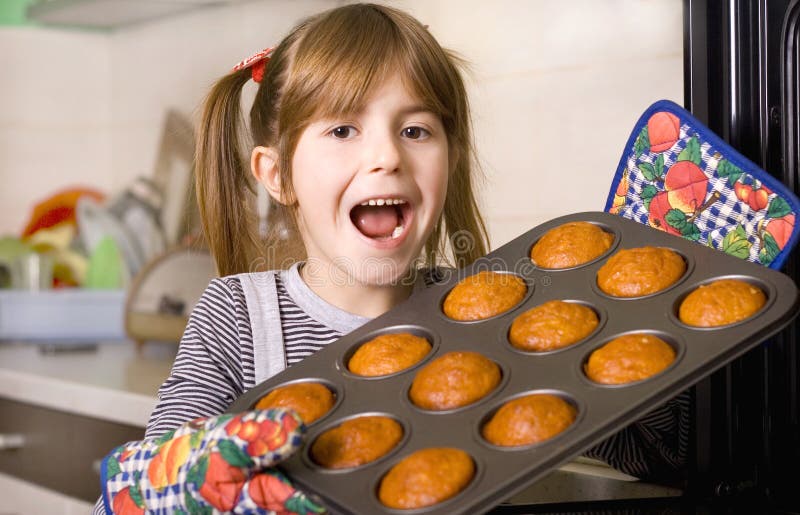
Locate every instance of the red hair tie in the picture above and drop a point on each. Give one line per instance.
(256, 63)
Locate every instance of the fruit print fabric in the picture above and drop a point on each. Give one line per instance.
(678, 176)
(212, 465)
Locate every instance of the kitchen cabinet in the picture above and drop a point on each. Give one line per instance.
(61, 412)
(23, 498)
(57, 449)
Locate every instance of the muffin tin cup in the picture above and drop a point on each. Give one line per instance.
(602, 409)
(601, 321)
(250, 404)
(765, 287)
(529, 289)
(687, 273)
(478, 434)
(505, 376)
(613, 248)
(671, 340)
(435, 508)
(416, 330)
(320, 429)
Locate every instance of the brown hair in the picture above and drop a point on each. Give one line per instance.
(326, 67)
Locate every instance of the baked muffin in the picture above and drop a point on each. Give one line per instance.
(309, 400)
(453, 380)
(629, 358)
(387, 354)
(426, 477)
(356, 441)
(721, 302)
(571, 244)
(529, 419)
(484, 295)
(552, 325)
(640, 271)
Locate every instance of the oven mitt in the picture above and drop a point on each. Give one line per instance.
(678, 176)
(217, 464)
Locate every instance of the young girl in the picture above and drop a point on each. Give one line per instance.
(360, 132)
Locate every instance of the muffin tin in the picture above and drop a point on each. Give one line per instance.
(602, 409)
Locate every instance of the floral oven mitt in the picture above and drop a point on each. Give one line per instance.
(217, 464)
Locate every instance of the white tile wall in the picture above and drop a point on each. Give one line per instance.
(555, 87)
(173, 63)
(55, 116)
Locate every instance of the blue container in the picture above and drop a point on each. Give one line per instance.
(68, 315)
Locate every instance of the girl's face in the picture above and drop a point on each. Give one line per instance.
(371, 186)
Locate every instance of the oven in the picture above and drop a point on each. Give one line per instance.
(741, 64)
(742, 80)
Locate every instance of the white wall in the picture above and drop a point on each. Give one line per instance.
(556, 89)
(173, 63)
(555, 86)
(55, 116)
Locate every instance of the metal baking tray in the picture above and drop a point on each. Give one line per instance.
(602, 410)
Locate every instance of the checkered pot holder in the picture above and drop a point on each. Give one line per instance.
(678, 176)
(221, 464)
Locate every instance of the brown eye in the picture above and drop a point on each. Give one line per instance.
(343, 132)
(415, 133)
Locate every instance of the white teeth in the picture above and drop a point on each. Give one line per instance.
(383, 201)
(397, 231)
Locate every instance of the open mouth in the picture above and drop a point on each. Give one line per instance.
(382, 219)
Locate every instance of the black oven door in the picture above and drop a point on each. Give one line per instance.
(742, 79)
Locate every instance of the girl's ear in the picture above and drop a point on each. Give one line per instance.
(264, 166)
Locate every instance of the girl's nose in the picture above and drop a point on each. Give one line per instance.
(384, 153)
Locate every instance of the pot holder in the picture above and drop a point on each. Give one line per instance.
(678, 176)
(218, 464)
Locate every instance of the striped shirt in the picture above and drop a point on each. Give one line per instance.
(302, 335)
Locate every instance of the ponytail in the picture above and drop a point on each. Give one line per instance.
(225, 190)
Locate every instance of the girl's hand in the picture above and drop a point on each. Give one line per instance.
(218, 463)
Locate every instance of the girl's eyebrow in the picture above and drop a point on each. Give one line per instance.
(404, 111)
(417, 109)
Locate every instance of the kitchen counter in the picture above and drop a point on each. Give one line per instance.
(114, 382)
